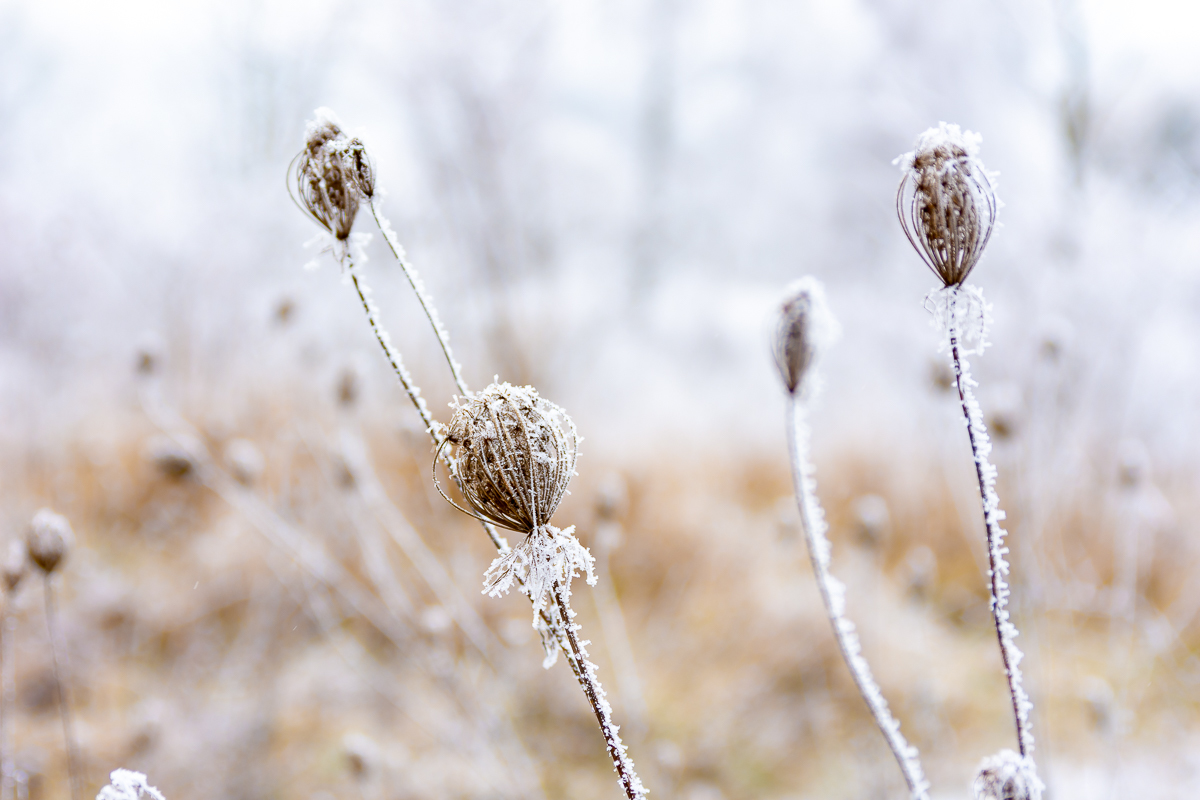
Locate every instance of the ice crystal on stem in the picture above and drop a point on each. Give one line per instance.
(804, 326)
(128, 785)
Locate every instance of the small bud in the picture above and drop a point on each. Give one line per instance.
(48, 540)
(804, 326)
(361, 168)
(1008, 776)
(15, 566)
(946, 202)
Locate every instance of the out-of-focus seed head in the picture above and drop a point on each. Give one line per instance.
(171, 457)
(48, 540)
(16, 564)
(326, 178)
(803, 327)
(1008, 776)
(513, 454)
(245, 461)
(946, 202)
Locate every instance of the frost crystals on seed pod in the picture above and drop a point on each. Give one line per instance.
(947, 202)
(512, 454)
(1008, 776)
(804, 326)
(331, 176)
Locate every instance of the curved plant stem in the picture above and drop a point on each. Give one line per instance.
(833, 594)
(64, 705)
(998, 568)
(585, 670)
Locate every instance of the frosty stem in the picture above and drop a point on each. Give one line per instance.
(64, 706)
(992, 515)
(418, 287)
(585, 670)
(833, 594)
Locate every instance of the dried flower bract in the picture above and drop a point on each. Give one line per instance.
(49, 539)
(1008, 776)
(328, 175)
(512, 454)
(946, 202)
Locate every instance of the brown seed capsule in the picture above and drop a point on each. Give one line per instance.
(49, 539)
(513, 454)
(793, 340)
(946, 202)
(326, 181)
(1007, 776)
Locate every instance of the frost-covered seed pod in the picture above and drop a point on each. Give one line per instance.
(1007, 776)
(49, 539)
(170, 458)
(15, 566)
(326, 182)
(946, 202)
(793, 340)
(513, 454)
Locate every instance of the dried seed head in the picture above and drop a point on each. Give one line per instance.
(174, 459)
(1008, 776)
(361, 168)
(946, 202)
(513, 454)
(48, 540)
(326, 176)
(15, 566)
(804, 326)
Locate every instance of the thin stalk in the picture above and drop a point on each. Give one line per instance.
(557, 621)
(64, 705)
(418, 286)
(998, 568)
(833, 594)
(585, 670)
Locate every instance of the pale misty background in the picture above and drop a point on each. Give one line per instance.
(606, 199)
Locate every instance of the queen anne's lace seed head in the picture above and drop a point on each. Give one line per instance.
(49, 539)
(329, 175)
(1007, 776)
(946, 202)
(513, 454)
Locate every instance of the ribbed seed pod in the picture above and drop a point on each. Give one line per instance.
(49, 539)
(946, 202)
(793, 344)
(512, 454)
(326, 181)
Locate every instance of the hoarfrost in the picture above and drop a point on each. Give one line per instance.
(128, 785)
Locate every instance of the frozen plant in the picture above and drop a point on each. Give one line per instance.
(332, 176)
(947, 206)
(805, 326)
(47, 543)
(125, 784)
